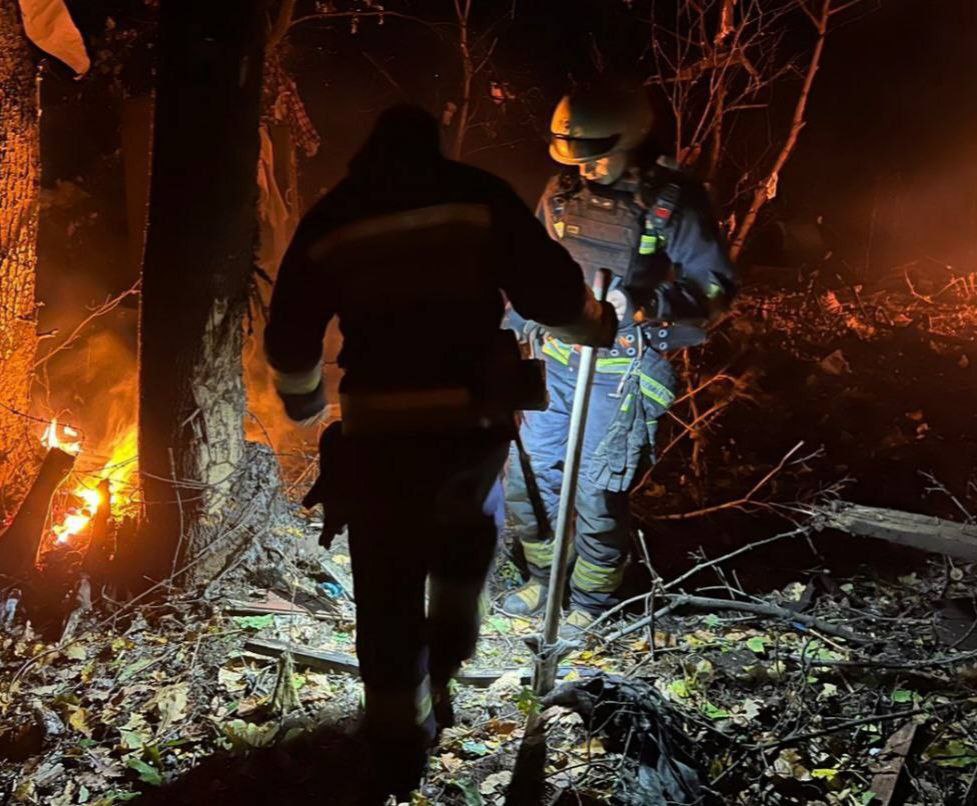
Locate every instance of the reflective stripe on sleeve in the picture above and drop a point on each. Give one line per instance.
(476, 215)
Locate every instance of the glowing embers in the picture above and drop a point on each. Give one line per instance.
(78, 517)
(62, 437)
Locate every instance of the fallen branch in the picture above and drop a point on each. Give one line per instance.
(328, 661)
(903, 528)
(19, 543)
(678, 601)
(871, 663)
(802, 531)
(854, 723)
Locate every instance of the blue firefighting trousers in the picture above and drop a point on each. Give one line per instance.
(602, 525)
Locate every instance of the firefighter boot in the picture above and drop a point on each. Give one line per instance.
(444, 712)
(528, 600)
(576, 624)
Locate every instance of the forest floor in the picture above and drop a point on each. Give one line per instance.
(855, 685)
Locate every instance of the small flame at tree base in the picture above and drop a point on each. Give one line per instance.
(88, 498)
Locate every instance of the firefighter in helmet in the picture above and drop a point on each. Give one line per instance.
(617, 205)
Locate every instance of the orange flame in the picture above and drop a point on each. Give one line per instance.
(51, 440)
(118, 470)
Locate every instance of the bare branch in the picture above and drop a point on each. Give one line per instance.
(106, 307)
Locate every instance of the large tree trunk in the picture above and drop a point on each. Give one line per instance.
(19, 185)
(198, 260)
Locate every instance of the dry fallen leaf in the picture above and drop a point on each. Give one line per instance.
(171, 702)
(79, 721)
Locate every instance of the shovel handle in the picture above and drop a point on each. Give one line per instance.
(546, 665)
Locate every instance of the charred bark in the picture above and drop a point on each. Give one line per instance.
(198, 260)
(19, 186)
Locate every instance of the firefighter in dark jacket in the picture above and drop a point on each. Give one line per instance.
(416, 254)
(618, 206)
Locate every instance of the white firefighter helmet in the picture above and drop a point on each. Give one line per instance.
(596, 121)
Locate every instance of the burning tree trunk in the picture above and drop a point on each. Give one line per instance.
(198, 262)
(19, 185)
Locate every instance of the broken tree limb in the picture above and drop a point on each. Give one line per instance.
(101, 546)
(677, 601)
(802, 531)
(19, 544)
(922, 532)
(328, 661)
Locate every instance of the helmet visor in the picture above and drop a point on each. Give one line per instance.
(583, 149)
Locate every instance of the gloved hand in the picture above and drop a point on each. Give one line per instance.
(328, 489)
(533, 332)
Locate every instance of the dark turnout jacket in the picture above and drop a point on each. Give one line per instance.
(417, 258)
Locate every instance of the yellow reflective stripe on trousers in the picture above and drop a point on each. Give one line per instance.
(538, 553)
(424, 704)
(556, 349)
(588, 576)
(656, 391)
(298, 383)
(560, 351)
(614, 366)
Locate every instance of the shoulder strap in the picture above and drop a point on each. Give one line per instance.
(659, 194)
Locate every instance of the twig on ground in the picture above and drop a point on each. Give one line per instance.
(760, 609)
(854, 723)
(803, 530)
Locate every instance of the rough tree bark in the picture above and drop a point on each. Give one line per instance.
(19, 186)
(198, 259)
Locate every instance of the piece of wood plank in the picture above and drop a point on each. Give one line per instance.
(903, 528)
(328, 661)
(271, 603)
(890, 763)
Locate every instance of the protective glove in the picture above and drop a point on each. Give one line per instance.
(328, 489)
(616, 459)
(629, 442)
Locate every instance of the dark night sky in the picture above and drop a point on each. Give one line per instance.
(891, 135)
(889, 155)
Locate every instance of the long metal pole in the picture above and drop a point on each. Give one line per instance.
(548, 657)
